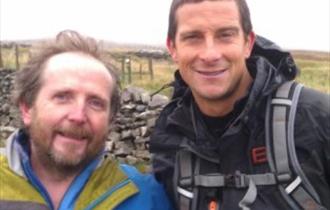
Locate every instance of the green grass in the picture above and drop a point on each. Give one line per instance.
(314, 66)
(9, 57)
(315, 74)
(163, 74)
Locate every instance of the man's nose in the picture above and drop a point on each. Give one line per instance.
(210, 52)
(77, 113)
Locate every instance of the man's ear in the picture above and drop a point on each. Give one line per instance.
(250, 40)
(171, 49)
(26, 113)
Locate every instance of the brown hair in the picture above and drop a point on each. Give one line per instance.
(176, 4)
(28, 80)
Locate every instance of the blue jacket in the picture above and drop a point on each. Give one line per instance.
(103, 184)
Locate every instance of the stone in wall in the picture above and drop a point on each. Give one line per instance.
(128, 139)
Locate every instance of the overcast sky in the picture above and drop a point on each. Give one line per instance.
(293, 24)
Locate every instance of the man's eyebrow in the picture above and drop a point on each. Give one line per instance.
(96, 96)
(229, 28)
(223, 29)
(188, 33)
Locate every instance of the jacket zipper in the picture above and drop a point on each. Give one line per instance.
(107, 194)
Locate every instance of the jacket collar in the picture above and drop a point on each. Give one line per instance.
(13, 154)
(107, 183)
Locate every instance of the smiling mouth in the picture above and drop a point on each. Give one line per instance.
(73, 137)
(212, 73)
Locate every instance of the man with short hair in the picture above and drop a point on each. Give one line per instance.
(68, 96)
(209, 142)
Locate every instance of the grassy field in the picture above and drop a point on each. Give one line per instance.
(9, 57)
(314, 72)
(163, 74)
(314, 66)
(315, 69)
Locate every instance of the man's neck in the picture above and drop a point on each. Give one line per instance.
(55, 180)
(56, 189)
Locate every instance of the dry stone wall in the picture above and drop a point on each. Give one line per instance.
(128, 140)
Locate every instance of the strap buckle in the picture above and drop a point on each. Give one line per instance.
(237, 180)
(185, 182)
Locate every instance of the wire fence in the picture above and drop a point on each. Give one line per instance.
(14, 56)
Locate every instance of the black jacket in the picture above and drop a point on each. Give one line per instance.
(181, 127)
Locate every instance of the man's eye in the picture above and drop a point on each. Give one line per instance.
(227, 34)
(62, 97)
(191, 37)
(97, 104)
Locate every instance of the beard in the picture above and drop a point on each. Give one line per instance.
(42, 139)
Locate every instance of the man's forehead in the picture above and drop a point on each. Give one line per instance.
(214, 12)
(69, 59)
(79, 62)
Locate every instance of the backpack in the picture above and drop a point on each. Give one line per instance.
(286, 173)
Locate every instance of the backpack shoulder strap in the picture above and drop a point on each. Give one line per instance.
(281, 152)
(183, 175)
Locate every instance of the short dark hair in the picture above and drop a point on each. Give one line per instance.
(28, 80)
(243, 8)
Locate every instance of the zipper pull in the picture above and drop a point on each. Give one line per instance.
(213, 205)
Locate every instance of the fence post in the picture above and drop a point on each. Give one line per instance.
(123, 68)
(129, 70)
(140, 70)
(151, 71)
(1, 62)
(17, 56)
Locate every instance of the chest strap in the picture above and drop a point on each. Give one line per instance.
(238, 180)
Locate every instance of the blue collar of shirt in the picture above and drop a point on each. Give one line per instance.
(74, 189)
